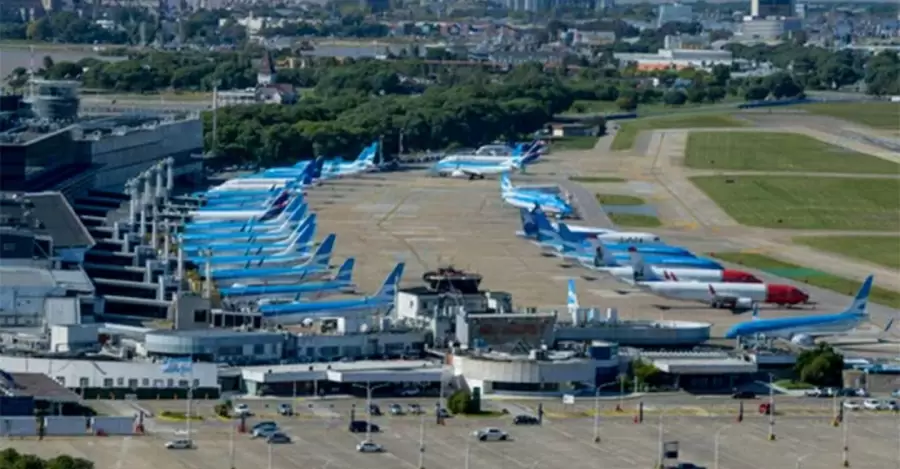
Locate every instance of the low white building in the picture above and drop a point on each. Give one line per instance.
(94, 374)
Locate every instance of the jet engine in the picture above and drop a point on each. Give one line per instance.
(803, 340)
(743, 304)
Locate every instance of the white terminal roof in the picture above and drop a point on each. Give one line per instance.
(380, 371)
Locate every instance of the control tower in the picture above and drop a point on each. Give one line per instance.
(54, 100)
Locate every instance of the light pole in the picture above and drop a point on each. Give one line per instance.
(597, 411)
(660, 442)
(468, 451)
(716, 445)
(422, 441)
(771, 408)
(230, 447)
(369, 389)
(801, 458)
(269, 465)
(845, 450)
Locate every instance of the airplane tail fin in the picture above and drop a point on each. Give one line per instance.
(572, 301)
(540, 219)
(566, 234)
(603, 257)
(299, 213)
(505, 183)
(322, 256)
(389, 288)
(529, 225)
(345, 272)
(642, 271)
(861, 301)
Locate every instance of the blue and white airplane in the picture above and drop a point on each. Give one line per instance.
(300, 253)
(270, 294)
(259, 212)
(802, 330)
(293, 313)
(293, 214)
(337, 168)
(315, 268)
(250, 248)
(251, 236)
(524, 198)
(477, 167)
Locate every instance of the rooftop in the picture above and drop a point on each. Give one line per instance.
(53, 215)
(36, 385)
(363, 365)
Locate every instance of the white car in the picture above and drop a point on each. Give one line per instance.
(410, 392)
(369, 447)
(872, 404)
(490, 434)
(179, 444)
(891, 405)
(242, 410)
(852, 405)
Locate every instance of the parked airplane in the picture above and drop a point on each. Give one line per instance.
(297, 254)
(640, 271)
(261, 182)
(802, 330)
(315, 268)
(293, 313)
(289, 218)
(608, 258)
(365, 162)
(249, 249)
(477, 169)
(624, 237)
(528, 199)
(733, 296)
(271, 294)
(230, 237)
(261, 213)
(572, 239)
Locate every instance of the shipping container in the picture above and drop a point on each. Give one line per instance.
(66, 425)
(18, 426)
(114, 425)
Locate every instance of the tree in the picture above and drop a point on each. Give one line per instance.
(674, 98)
(459, 402)
(756, 93)
(715, 93)
(821, 366)
(646, 373)
(696, 95)
(627, 103)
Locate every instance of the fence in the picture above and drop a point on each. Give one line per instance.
(67, 426)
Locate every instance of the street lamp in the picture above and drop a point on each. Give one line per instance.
(771, 408)
(716, 445)
(468, 451)
(597, 411)
(369, 389)
(801, 458)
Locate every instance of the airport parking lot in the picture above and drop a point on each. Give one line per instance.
(556, 444)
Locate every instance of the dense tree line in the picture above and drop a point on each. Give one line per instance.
(341, 124)
(350, 25)
(12, 459)
(818, 68)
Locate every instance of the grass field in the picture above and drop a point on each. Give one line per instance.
(631, 219)
(810, 276)
(879, 114)
(882, 250)
(618, 199)
(596, 179)
(776, 151)
(808, 202)
(573, 143)
(629, 131)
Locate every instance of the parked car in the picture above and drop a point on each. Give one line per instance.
(891, 405)
(242, 410)
(285, 409)
(861, 392)
(410, 392)
(277, 438)
(359, 426)
(444, 413)
(396, 409)
(526, 420)
(264, 432)
(490, 434)
(872, 404)
(179, 444)
(369, 447)
(264, 423)
(415, 409)
(817, 392)
(743, 395)
(374, 409)
(852, 405)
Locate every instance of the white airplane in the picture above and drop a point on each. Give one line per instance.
(733, 296)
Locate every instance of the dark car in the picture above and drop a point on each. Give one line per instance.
(743, 395)
(374, 409)
(359, 426)
(278, 438)
(525, 420)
